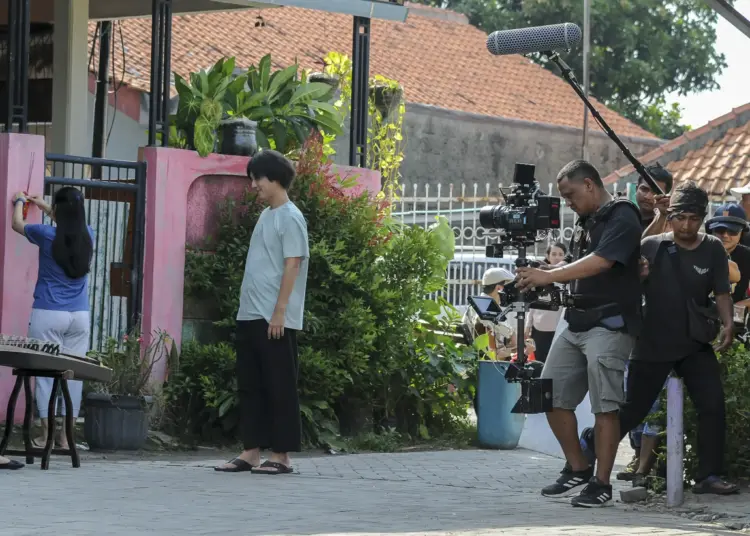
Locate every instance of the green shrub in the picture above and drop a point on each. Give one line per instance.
(201, 393)
(366, 341)
(735, 371)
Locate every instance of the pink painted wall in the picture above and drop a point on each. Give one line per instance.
(208, 192)
(21, 157)
(183, 191)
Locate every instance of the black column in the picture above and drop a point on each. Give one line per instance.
(100, 104)
(360, 92)
(161, 52)
(19, 35)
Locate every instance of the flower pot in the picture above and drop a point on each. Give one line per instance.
(387, 99)
(115, 422)
(238, 137)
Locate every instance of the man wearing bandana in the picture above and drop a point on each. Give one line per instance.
(687, 272)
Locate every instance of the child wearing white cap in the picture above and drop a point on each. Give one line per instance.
(502, 335)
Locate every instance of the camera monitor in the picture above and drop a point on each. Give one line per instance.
(486, 307)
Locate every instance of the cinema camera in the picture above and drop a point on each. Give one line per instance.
(528, 216)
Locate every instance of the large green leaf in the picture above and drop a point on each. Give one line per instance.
(313, 90)
(264, 68)
(329, 123)
(204, 137)
(441, 236)
(279, 130)
(262, 139)
(228, 67)
(260, 113)
(278, 81)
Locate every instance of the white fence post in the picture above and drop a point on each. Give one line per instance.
(675, 443)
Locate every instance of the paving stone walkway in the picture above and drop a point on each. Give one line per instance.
(438, 493)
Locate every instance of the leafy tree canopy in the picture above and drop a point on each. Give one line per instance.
(641, 50)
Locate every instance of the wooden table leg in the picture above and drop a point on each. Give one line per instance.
(70, 424)
(50, 425)
(10, 414)
(27, 420)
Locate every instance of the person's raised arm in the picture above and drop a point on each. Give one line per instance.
(17, 222)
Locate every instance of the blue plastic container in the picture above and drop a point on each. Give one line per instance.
(497, 427)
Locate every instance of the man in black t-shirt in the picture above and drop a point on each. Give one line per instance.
(686, 270)
(591, 352)
(651, 204)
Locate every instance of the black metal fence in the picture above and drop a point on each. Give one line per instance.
(115, 199)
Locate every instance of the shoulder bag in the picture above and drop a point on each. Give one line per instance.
(703, 322)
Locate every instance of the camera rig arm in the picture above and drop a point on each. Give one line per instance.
(570, 78)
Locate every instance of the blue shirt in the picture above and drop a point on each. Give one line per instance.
(55, 291)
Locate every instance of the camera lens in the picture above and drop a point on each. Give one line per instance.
(487, 216)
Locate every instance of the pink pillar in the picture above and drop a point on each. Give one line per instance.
(21, 168)
(172, 214)
(170, 174)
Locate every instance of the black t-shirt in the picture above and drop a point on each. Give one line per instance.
(741, 255)
(617, 238)
(646, 222)
(705, 270)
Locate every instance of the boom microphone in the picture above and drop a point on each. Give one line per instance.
(535, 39)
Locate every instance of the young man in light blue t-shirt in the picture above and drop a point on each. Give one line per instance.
(272, 301)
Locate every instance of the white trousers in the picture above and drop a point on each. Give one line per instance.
(71, 331)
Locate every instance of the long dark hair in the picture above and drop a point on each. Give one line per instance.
(72, 247)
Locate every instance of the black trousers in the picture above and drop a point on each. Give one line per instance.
(267, 372)
(543, 342)
(701, 374)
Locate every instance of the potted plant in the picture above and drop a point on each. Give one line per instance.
(386, 95)
(117, 415)
(285, 104)
(201, 104)
(238, 137)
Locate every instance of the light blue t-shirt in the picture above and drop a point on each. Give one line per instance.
(280, 233)
(55, 291)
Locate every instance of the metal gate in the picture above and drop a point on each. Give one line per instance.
(115, 202)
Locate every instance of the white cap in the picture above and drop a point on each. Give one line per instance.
(742, 190)
(496, 276)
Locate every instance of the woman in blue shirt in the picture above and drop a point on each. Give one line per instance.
(61, 306)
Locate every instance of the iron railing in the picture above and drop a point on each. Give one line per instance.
(115, 202)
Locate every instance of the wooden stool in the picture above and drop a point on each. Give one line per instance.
(23, 376)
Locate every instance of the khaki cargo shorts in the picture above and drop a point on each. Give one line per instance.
(592, 361)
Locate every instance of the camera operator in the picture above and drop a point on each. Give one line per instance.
(591, 352)
(685, 269)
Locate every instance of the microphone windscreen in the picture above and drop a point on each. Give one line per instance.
(535, 39)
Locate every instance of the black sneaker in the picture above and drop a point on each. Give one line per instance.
(568, 482)
(594, 495)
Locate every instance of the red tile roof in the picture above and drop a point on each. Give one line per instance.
(442, 63)
(715, 156)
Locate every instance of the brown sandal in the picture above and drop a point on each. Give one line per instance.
(281, 469)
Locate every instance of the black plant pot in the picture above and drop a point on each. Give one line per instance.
(238, 137)
(387, 99)
(115, 422)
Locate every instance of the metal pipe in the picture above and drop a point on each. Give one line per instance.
(102, 83)
(167, 71)
(155, 67)
(586, 75)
